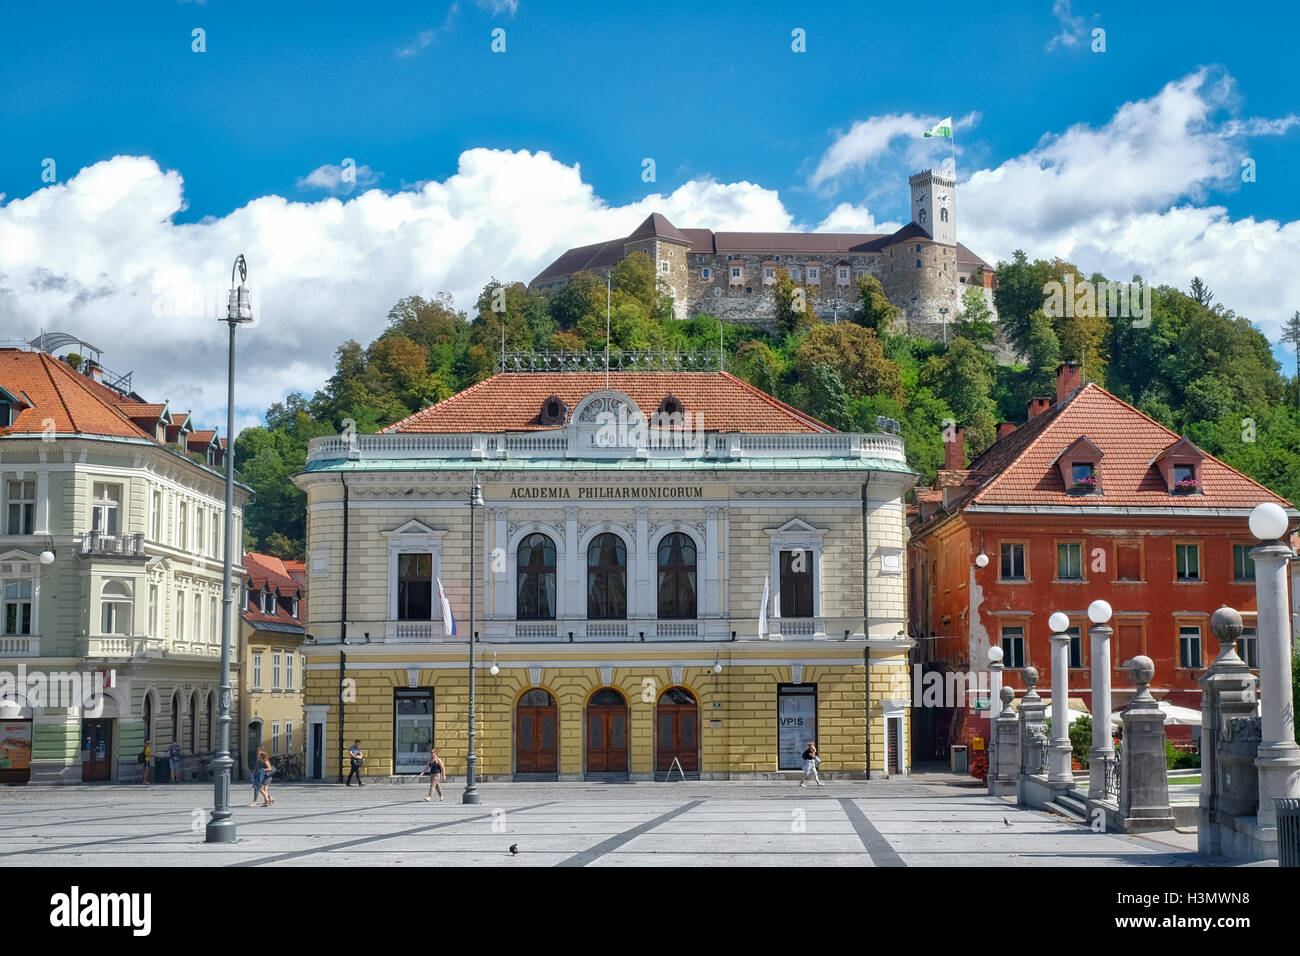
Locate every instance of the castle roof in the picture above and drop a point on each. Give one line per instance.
(657, 226)
(600, 256)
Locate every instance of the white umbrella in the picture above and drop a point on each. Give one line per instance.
(1174, 715)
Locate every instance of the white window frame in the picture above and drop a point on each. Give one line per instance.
(795, 535)
(114, 608)
(180, 614)
(30, 599)
(182, 521)
(26, 506)
(288, 669)
(212, 620)
(156, 515)
(153, 611)
(1200, 649)
(288, 736)
(257, 670)
(665, 266)
(706, 273)
(275, 738)
(814, 275)
(276, 659)
(413, 537)
(106, 512)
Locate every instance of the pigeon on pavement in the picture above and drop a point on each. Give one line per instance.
(514, 849)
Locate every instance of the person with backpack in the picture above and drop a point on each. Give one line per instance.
(174, 761)
(437, 773)
(145, 760)
(810, 763)
(356, 754)
(262, 779)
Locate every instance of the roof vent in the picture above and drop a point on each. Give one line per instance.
(671, 405)
(554, 411)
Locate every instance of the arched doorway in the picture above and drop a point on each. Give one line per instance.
(194, 722)
(607, 733)
(97, 744)
(537, 751)
(677, 731)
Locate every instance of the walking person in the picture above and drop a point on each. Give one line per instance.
(810, 763)
(437, 773)
(261, 778)
(146, 760)
(356, 754)
(174, 761)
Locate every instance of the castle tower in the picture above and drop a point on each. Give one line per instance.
(934, 205)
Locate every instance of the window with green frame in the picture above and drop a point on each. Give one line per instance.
(1243, 566)
(1187, 561)
(1069, 561)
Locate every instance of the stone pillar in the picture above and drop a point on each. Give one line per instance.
(995, 694)
(1229, 781)
(1279, 755)
(1059, 758)
(1144, 779)
(1102, 749)
(1004, 752)
(1033, 731)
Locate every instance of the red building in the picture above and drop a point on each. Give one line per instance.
(1088, 499)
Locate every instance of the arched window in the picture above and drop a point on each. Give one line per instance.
(607, 578)
(607, 697)
(176, 716)
(148, 716)
(943, 215)
(677, 576)
(194, 723)
(212, 720)
(537, 697)
(115, 608)
(535, 589)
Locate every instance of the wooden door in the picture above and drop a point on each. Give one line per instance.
(96, 749)
(677, 722)
(607, 733)
(536, 741)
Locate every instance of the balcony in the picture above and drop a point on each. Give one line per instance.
(120, 647)
(96, 544)
(24, 645)
(631, 631)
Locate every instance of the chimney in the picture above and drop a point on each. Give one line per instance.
(1069, 376)
(1037, 405)
(1005, 429)
(954, 452)
(91, 369)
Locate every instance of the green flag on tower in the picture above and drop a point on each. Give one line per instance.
(942, 128)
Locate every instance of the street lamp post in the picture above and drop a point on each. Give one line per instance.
(221, 826)
(471, 794)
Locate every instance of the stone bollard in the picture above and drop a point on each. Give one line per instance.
(1004, 768)
(1033, 732)
(1144, 779)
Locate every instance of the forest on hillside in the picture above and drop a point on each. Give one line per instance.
(1192, 364)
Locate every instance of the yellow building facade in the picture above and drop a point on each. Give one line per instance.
(672, 573)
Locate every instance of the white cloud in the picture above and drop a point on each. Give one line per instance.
(846, 217)
(1128, 197)
(99, 256)
(345, 178)
(425, 38)
(1071, 26)
(498, 7)
(870, 145)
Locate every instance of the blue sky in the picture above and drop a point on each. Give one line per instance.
(743, 131)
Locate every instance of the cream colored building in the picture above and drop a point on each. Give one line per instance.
(125, 499)
(628, 530)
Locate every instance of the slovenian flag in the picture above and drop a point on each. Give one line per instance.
(942, 128)
(448, 619)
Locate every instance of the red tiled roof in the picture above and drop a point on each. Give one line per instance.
(262, 570)
(511, 402)
(657, 225)
(1021, 464)
(62, 395)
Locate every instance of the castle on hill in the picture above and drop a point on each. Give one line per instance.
(922, 267)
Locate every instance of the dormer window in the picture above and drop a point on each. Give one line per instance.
(1078, 467)
(268, 602)
(1180, 467)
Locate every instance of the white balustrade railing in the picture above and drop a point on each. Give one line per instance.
(657, 443)
(20, 646)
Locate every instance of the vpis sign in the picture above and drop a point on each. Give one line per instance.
(76, 909)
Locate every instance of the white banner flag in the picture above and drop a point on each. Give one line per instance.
(762, 610)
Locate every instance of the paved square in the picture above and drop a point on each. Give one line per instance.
(925, 820)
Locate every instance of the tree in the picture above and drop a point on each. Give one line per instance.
(791, 303)
(975, 320)
(757, 364)
(1291, 336)
(873, 310)
(826, 398)
(855, 355)
(963, 380)
(1201, 292)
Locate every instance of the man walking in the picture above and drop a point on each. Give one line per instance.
(356, 755)
(810, 763)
